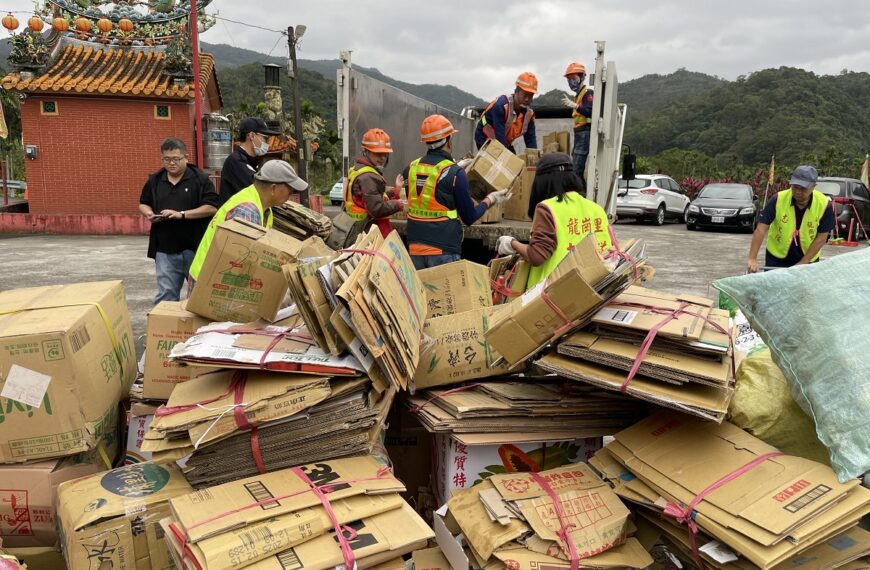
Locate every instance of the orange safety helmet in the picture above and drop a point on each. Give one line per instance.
(376, 140)
(435, 128)
(575, 67)
(528, 82)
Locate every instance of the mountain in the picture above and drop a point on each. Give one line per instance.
(646, 95)
(229, 58)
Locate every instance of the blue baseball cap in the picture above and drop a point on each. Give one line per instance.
(804, 176)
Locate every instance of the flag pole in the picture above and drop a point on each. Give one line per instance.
(769, 179)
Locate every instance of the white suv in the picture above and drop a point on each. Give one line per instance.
(653, 197)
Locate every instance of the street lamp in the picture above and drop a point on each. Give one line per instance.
(293, 35)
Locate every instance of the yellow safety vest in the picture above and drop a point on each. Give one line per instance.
(782, 230)
(579, 120)
(424, 207)
(350, 208)
(575, 217)
(248, 194)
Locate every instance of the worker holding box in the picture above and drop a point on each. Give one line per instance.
(510, 117)
(365, 193)
(582, 106)
(439, 200)
(562, 218)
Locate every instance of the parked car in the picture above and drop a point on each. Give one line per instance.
(724, 205)
(845, 193)
(652, 197)
(336, 195)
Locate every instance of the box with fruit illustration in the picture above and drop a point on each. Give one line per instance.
(461, 460)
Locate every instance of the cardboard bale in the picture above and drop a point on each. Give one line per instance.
(517, 208)
(464, 460)
(169, 323)
(531, 322)
(456, 288)
(66, 359)
(494, 168)
(111, 519)
(241, 278)
(28, 497)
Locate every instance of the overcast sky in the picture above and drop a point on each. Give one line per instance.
(481, 45)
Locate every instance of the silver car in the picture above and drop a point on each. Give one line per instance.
(336, 195)
(652, 197)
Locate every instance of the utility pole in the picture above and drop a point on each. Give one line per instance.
(193, 23)
(293, 35)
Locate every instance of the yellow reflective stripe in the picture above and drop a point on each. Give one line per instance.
(112, 338)
(431, 214)
(432, 172)
(350, 208)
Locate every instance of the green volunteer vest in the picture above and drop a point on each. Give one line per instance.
(782, 230)
(575, 217)
(248, 194)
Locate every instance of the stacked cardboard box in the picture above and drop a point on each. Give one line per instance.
(526, 521)
(290, 518)
(517, 208)
(689, 365)
(763, 507)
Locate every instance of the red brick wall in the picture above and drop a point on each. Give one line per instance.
(95, 155)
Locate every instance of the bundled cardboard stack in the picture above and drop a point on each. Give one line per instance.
(763, 508)
(66, 359)
(527, 520)
(110, 520)
(300, 222)
(290, 519)
(673, 351)
(565, 301)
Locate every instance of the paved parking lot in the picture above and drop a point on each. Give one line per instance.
(685, 261)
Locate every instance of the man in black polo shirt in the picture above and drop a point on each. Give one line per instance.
(179, 201)
(241, 164)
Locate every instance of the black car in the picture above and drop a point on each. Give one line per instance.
(723, 205)
(849, 196)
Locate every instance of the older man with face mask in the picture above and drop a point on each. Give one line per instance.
(799, 220)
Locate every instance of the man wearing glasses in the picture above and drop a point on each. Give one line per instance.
(179, 201)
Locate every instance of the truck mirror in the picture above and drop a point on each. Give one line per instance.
(629, 166)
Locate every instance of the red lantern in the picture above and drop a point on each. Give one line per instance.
(83, 24)
(60, 24)
(10, 22)
(35, 23)
(125, 25)
(105, 25)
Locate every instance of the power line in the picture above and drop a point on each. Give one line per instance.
(282, 32)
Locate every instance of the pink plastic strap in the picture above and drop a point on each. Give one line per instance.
(395, 271)
(344, 544)
(647, 342)
(231, 389)
(686, 515)
(567, 324)
(563, 520)
(418, 409)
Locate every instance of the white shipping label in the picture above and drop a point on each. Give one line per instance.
(718, 552)
(25, 386)
(616, 316)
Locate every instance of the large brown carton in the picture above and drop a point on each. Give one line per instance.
(458, 350)
(28, 503)
(517, 208)
(66, 359)
(538, 316)
(456, 288)
(168, 324)
(111, 520)
(241, 279)
(494, 168)
(560, 139)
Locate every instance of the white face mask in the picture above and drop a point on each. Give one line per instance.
(262, 148)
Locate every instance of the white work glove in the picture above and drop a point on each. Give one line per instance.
(465, 163)
(504, 245)
(500, 196)
(568, 102)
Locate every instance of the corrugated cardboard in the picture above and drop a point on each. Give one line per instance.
(517, 208)
(430, 559)
(459, 350)
(622, 312)
(494, 166)
(168, 324)
(530, 322)
(493, 215)
(560, 139)
(532, 155)
(28, 497)
(140, 418)
(111, 520)
(456, 288)
(216, 510)
(241, 279)
(78, 336)
(461, 465)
